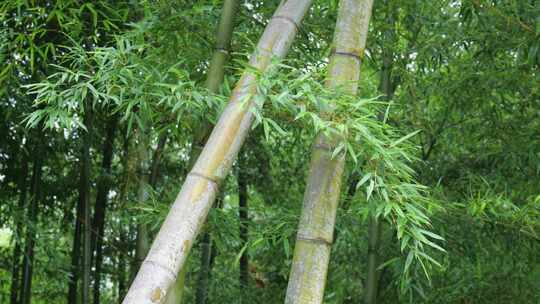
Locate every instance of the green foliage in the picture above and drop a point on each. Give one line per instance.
(380, 154)
(128, 79)
(449, 161)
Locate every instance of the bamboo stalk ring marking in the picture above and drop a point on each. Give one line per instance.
(157, 264)
(321, 146)
(314, 240)
(348, 54)
(222, 50)
(208, 178)
(296, 25)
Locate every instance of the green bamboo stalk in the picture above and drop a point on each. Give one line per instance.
(216, 70)
(188, 213)
(142, 241)
(316, 227)
(215, 75)
(386, 87)
(148, 174)
(222, 47)
(100, 206)
(85, 196)
(31, 219)
(15, 270)
(201, 291)
(75, 256)
(372, 279)
(244, 226)
(129, 164)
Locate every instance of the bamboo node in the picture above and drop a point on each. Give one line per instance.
(296, 25)
(167, 269)
(357, 56)
(142, 171)
(314, 240)
(222, 50)
(214, 180)
(322, 146)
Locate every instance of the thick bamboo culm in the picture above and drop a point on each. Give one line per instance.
(188, 213)
(315, 230)
(214, 79)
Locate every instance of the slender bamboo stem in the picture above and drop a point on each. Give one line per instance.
(201, 292)
(75, 255)
(188, 213)
(15, 270)
(386, 87)
(85, 197)
(244, 222)
(32, 209)
(121, 269)
(316, 227)
(216, 70)
(128, 163)
(372, 280)
(148, 174)
(101, 204)
(222, 46)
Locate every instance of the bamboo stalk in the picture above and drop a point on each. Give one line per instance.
(15, 270)
(201, 291)
(372, 280)
(188, 213)
(100, 207)
(148, 174)
(85, 197)
(129, 161)
(215, 75)
(386, 87)
(244, 226)
(75, 256)
(216, 70)
(31, 218)
(222, 46)
(316, 227)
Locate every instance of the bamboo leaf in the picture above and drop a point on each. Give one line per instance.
(408, 262)
(404, 138)
(370, 189)
(364, 179)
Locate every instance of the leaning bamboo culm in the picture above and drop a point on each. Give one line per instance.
(316, 227)
(188, 213)
(214, 79)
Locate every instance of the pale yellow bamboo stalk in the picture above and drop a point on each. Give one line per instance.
(213, 82)
(316, 227)
(214, 79)
(188, 213)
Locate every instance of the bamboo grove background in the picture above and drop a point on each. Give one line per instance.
(106, 105)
